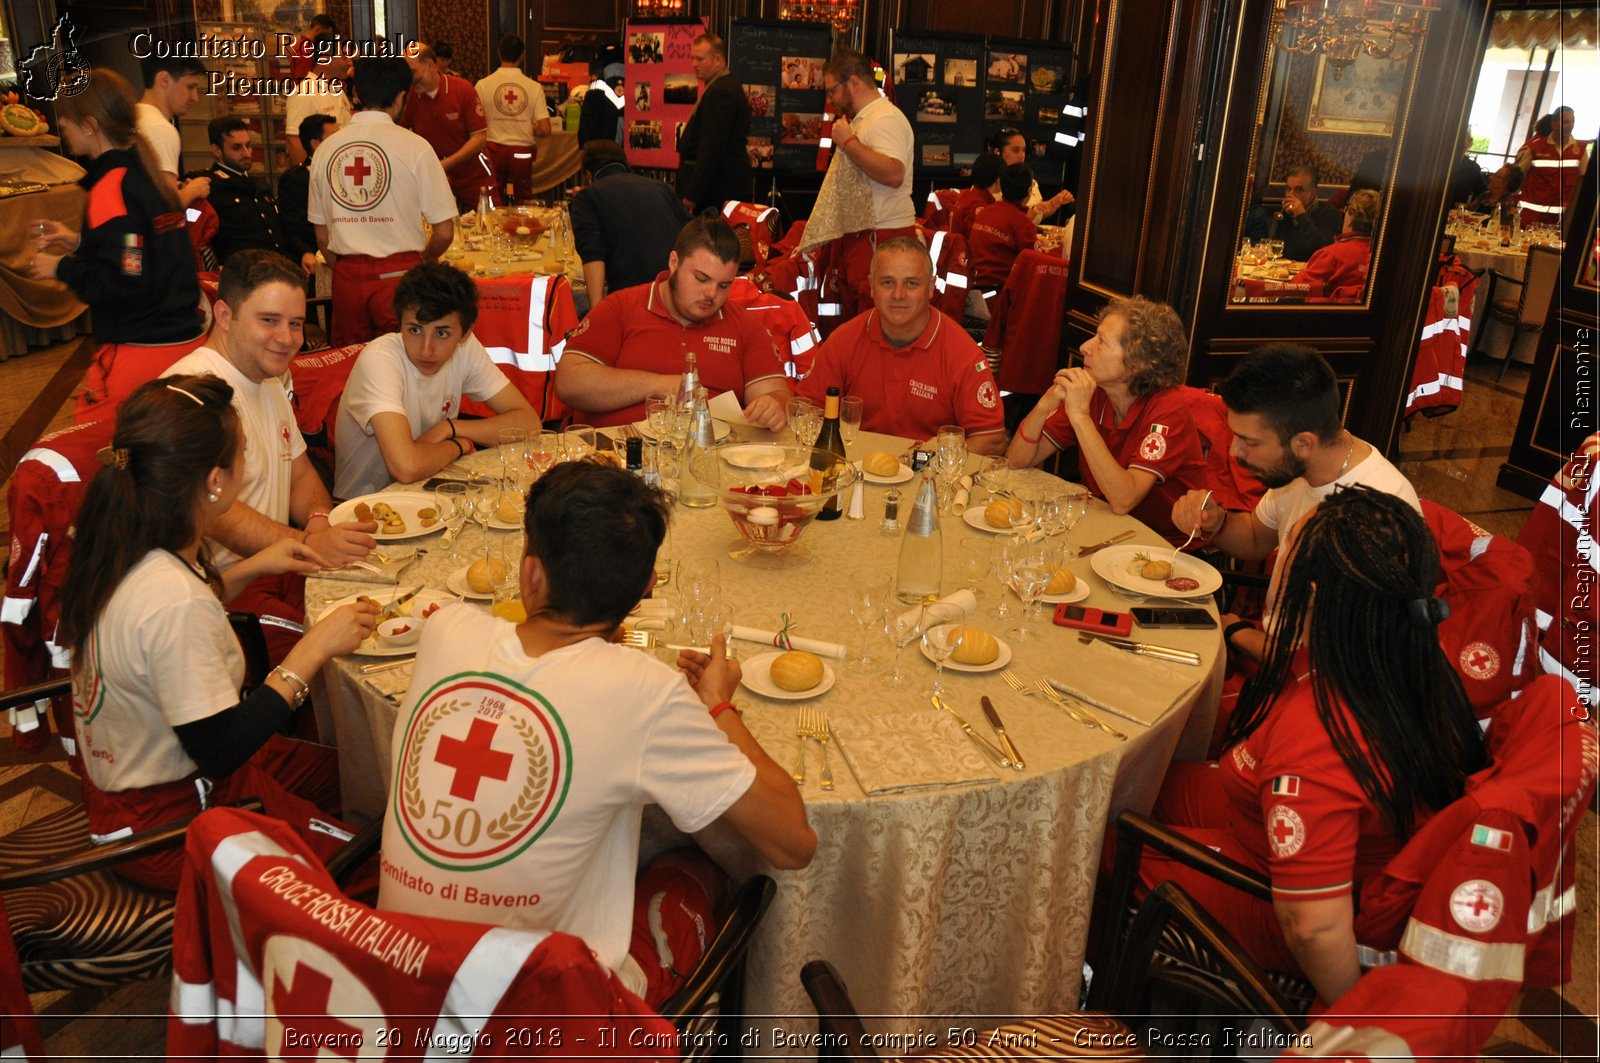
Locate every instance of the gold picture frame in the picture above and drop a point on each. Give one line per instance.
(1363, 100)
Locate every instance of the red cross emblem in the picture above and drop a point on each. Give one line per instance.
(1476, 905)
(1153, 447)
(474, 759)
(358, 175)
(306, 1004)
(511, 96)
(1286, 831)
(1479, 660)
(358, 171)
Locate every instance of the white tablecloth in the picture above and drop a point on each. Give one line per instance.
(1482, 251)
(962, 901)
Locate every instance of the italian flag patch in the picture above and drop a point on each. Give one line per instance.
(1286, 786)
(1490, 838)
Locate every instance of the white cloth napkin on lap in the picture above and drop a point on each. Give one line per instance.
(816, 646)
(1119, 681)
(903, 751)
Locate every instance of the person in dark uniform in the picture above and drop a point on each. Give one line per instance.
(600, 117)
(294, 190)
(713, 164)
(247, 213)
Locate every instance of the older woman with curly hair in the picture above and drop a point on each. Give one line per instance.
(1137, 444)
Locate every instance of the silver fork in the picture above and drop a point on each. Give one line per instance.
(822, 731)
(639, 640)
(1082, 715)
(1014, 681)
(799, 772)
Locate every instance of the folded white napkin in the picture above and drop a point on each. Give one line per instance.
(900, 752)
(963, 492)
(1121, 682)
(964, 599)
(816, 646)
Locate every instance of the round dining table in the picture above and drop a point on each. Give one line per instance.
(962, 889)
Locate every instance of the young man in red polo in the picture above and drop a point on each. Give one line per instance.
(633, 344)
(1000, 232)
(445, 111)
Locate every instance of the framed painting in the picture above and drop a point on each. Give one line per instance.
(1363, 99)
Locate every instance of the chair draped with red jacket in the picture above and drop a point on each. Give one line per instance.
(1025, 323)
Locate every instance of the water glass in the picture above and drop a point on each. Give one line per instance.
(710, 617)
(851, 407)
(943, 625)
(483, 493)
(975, 561)
(1075, 506)
(577, 442)
(1029, 578)
(903, 628)
(450, 499)
(869, 597)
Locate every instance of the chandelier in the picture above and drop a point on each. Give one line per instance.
(841, 14)
(1342, 30)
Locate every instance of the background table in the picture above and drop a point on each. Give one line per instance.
(1479, 250)
(959, 901)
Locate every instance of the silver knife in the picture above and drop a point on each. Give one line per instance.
(1145, 649)
(392, 610)
(981, 742)
(1114, 540)
(1000, 729)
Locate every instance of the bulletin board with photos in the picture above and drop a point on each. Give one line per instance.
(938, 86)
(780, 66)
(661, 89)
(1025, 85)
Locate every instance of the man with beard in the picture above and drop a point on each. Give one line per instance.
(1283, 408)
(634, 343)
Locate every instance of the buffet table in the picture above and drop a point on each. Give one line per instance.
(959, 901)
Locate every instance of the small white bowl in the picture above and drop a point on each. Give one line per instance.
(400, 631)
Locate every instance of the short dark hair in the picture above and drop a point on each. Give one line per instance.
(444, 50)
(325, 21)
(247, 270)
(314, 127)
(1015, 181)
(217, 129)
(718, 45)
(986, 170)
(1289, 386)
(433, 290)
(1309, 171)
(598, 154)
(596, 528)
(379, 80)
(998, 142)
(174, 66)
(846, 64)
(511, 48)
(710, 232)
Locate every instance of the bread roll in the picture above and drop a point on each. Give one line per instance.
(483, 575)
(977, 647)
(880, 463)
(998, 513)
(506, 513)
(796, 670)
(1061, 582)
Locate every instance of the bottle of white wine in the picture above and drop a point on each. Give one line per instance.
(829, 439)
(921, 547)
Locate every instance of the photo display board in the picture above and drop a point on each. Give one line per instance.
(661, 88)
(1025, 85)
(938, 86)
(780, 66)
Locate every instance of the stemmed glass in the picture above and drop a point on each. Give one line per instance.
(658, 416)
(1074, 506)
(484, 494)
(952, 457)
(994, 474)
(1006, 558)
(943, 625)
(903, 628)
(805, 418)
(975, 561)
(577, 441)
(1024, 513)
(710, 617)
(450, 498)
(851, 407)
(680, 418)
(869, 597)
(698, 582)
(1029, 578)
(542, 452)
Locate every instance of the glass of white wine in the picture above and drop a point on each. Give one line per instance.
(851, 407)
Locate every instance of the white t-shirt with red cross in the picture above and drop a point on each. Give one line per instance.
(512, 102)
(385, 381)
(519, 782)
(372, 184)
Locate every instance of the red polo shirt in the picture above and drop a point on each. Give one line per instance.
(633, 329)
(1158, 436)
(449, 118)
(1000, 232)
(939, 378)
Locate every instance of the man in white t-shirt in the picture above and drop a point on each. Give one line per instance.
(322, 91)
(171, 86)
(259, 326)
(372, 186)
(515, 107)
(525, 753)
(398, 417)
(1283, 408)
(876, 137)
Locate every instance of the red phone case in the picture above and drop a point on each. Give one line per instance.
(1096, 620)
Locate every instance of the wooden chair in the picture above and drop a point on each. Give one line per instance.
(842, 1038)
(1527, 312)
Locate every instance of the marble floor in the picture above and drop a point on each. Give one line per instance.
(1451, 459)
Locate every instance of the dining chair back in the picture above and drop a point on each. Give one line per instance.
(1025, 323)
(794, 334)
(523, 323)
(1528, 310)
(952, 272)
(758, 220)
(936, 215)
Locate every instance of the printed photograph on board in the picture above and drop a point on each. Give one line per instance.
(933, 107)
(681, 89)
(644, 136)
(802, 129)
(1009, 67)
(644, 47)
(763, 100)
(961, 73)
(760, 151)
(802, 72)
(1002, 105)
(913, 66)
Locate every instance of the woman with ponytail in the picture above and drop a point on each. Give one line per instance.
(133, 263)
(156, 668)
(1354, 731)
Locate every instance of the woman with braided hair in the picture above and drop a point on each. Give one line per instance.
(156, 668)
(1354, 731)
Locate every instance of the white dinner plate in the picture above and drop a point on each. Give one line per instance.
(956, 666)
(457, 582)
(973, 515)
(900, 477)
(405, 503)
(1111, 565)
(758, 678)
(755, 456)
(720, 429)
(373, 646)
(1077, 594)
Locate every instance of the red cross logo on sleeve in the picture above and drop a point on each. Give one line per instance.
(306, 1002)
(1476, 905)
(474, 759)
(1479, 660)
(358, 171)
(1286, 831)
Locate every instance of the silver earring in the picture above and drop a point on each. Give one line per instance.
(212, 496)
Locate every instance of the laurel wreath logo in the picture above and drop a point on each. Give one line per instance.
(533, 791)
(410, 783)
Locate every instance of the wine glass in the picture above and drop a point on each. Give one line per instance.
(658, 416)
(903, 628)
(851, 407)
(483, 492)
(1074, 506)
(1005, 560)
(975, 561)
(1029, 578)
(869, 597)
(993, 475)
(679, 421)
(542, 451)
(450, 498)
(1023, 512)
(698, 581)
(577, 441)
(805, 418)
(943, 626)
